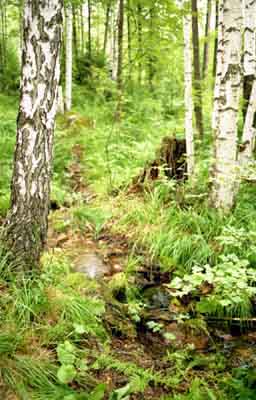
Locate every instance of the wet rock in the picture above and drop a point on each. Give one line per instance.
(157, 297)
(91, 265)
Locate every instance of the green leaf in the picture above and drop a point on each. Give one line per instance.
(98, 392)
(66, 373)
(79, 328)
(65, 352)
(121, 394)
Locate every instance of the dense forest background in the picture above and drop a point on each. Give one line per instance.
(134, 276)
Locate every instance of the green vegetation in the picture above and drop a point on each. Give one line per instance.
(173, 314)
(59, 313)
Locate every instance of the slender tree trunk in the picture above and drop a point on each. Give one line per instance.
(206, 36)
(139, 54)
(5, 32)
(1, 38)
(26, 226)
(219, 67)
(197, 70)
(89, 30)
(114, 45)
(106, 27)
(75, 41)
(188, 94)
(82, 30)
(225, 167)
(214, 69)
(69, 58)
(3, 35)
(151, 68)
(60, 108)
(249, 130)
(120, 59)
(129, 41)
(249, 51)
(21, 5)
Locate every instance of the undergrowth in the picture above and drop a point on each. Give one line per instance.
(54, 341)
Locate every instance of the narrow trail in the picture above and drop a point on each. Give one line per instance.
(103, 258)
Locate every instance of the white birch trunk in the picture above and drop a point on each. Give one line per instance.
(249, 130)
(114, 44)
(26, 225)
(188, 94)
(215, 114)
(249, 37)
(69, 34)
(225, 168)
(60, 101)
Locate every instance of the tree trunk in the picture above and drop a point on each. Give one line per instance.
(151, 67)
(188, 95)
(249, 108)
(75, 41)
(219, 67)
(214, 69)
(225, 174)
(25, 230)
(139, 55)
(120, 59)
(206, 38)
(82, 30)
(69, 58)
(197, 73)
(21, 6)
(1, 39)
(3, 57)
(114, 45)
(249, 51)
(129, 41)
(89, 30)
(60, 108)
(249, 131)
(106, 27)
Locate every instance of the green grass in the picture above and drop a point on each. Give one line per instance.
(171, 225)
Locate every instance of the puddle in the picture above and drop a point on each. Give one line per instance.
(91, 265)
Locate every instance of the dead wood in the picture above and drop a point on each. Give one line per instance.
(170, 159)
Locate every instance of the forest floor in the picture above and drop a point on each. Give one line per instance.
(102, 316)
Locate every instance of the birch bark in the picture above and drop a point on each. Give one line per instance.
(69, 37)
(225, 167)
(119, 78)
(198, 103)
(188, 94)
(249, 49)
(219, 54)
(249, 130)
(26, 225)
(206, 36)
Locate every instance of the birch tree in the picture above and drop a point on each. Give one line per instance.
(106, 31)
(119, 78)
(26, 225)
(69, 39)
(188, 94)
(214, 69)
(218, 65)
(206, 37)
(249, 50)
(249, 130)
(196, 69)
(225, 166)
